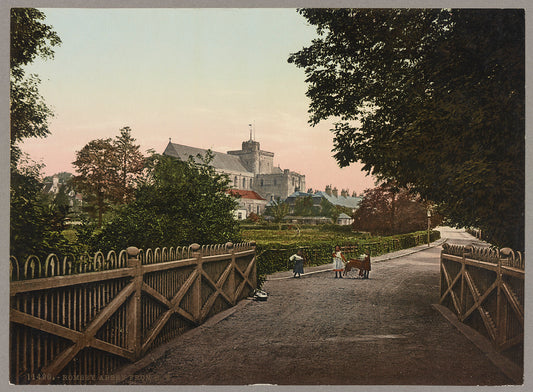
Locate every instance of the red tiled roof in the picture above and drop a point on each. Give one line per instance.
(244, 194)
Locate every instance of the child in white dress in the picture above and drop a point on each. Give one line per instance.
(338, 261)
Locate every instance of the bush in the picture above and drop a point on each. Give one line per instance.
(181, 202)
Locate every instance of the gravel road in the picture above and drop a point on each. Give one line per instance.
(318, 330)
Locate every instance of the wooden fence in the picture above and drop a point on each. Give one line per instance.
(485, 289)
(77, 323)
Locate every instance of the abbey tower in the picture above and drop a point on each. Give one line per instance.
(253, 158)
(249, 168)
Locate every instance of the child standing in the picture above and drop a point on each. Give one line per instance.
(298, 260)
(338, 261)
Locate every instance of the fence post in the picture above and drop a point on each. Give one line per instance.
(231, 279)
(462, 298)
(254, 268)
(133, 306)
(197, 285)
(500, 319)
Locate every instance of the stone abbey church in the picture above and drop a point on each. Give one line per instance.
(251, 171)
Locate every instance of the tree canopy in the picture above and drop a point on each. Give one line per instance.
(30, 38)
(177, 203)
(389, 210)
(108, 170)
(35, 223)
(433, 99)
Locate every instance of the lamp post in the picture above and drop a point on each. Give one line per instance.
(429, 223)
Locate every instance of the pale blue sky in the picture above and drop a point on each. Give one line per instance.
(198, 76)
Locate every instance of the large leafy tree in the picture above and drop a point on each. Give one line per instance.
(108, 170)
(35, 226)
(97, 164)
(433, 99)
(177, 203)
(130, 163)
(389, 210)
(30, 39)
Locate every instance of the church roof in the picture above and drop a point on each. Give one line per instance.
(221, 161)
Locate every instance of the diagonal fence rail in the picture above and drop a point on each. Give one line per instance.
(73, 324)
(485, 289)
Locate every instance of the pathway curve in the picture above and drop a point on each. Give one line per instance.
(319, 330)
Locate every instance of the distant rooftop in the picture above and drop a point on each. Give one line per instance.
(244, 194)
(221, 161)
(342, 201)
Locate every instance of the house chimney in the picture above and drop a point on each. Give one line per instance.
(335, 192)
(328, 190)
(354, 194)
(344, 193)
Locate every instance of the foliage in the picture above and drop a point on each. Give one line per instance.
(303, 206)
(253, 217)
(97, 165)
(388, 209)
(35, 225)
(434, 99)
(61, 202)
(177, 203)
(277, 210)
(30, 38)
(130, 163)
(108, 170)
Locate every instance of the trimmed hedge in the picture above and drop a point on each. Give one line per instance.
(274, 256)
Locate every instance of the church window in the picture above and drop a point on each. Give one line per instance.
(251, 182)
(262, 182)
(244, 183)
(235, 182)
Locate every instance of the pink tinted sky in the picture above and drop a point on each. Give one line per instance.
(198, 76)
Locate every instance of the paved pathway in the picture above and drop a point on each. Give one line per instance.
(324, 331)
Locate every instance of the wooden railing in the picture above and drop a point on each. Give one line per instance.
(70, 326)
(485, 289)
